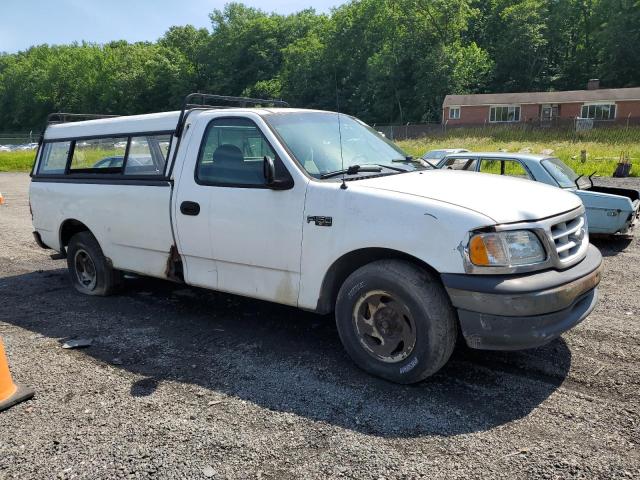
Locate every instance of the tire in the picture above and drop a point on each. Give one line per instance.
(90, 272)
(394, 302)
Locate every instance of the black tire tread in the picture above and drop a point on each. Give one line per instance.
(108, 278)
(425, 288)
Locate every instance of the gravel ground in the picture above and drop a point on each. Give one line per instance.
(186, 383)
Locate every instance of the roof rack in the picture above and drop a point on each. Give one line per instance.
(223, 101)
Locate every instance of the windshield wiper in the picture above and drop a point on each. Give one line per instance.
(397, 169)
(406, 159)
(352, 170)
(410, 159)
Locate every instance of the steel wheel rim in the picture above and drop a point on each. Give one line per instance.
(85, 270)
(384, 326)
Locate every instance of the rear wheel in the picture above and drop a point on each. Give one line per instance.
(90, 272)
(396, 321)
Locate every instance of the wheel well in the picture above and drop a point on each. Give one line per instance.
(349, 263)
(68, 229)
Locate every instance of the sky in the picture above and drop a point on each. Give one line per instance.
(24, 23)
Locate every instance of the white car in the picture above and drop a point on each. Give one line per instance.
(27, 146)
(316, 210)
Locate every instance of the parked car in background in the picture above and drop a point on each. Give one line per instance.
(27, 146)
(434, 156)
(609, 210)
(18, 147)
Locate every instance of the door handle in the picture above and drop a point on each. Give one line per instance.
(190, 208)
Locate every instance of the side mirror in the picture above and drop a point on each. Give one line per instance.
(269, 171)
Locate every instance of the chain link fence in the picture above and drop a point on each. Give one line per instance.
(409, 130)
(18, 138)
(11, 142)
(624, 130)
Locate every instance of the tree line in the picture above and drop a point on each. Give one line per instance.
(381, 60)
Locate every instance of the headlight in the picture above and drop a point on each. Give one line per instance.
(506, 249)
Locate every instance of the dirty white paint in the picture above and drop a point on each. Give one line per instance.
(257, 242)
(130, 222)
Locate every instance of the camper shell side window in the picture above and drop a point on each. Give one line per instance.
(124, 156)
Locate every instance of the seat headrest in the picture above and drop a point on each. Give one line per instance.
(227, 154)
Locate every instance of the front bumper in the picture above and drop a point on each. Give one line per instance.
(513, 312)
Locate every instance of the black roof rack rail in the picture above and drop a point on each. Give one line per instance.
(224, 101)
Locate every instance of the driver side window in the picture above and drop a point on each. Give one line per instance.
(232, 154)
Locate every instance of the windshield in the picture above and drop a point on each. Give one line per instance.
(315, 140)
(562, 173)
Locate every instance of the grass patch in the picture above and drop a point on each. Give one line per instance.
(16, 161)
(22, 161)
(603, 146)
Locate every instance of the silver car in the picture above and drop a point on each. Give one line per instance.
(609, 210)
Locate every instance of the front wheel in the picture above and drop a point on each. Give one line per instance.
(90, 271)
(396, 321)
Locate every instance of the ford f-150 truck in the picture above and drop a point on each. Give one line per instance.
(316, 210)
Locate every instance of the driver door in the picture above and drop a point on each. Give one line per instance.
(255, 233)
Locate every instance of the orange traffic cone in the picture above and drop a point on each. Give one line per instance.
(1, 199)
(10, 393)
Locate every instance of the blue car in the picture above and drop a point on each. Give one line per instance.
(609, 210)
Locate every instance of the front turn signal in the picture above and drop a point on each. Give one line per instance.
(478, 251)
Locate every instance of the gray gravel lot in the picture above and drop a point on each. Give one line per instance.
(185, 383)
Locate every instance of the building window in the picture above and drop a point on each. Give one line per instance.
(599, 111)
(505, 113)
(454, 113)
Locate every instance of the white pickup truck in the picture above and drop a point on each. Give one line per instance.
(316, 210)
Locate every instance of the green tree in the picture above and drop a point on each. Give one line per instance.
(619, 39)
(193, 44)
(246, 47)
(514, 32)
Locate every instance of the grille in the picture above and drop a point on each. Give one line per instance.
(568, 237)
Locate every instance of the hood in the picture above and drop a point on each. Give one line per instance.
(503, 199)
